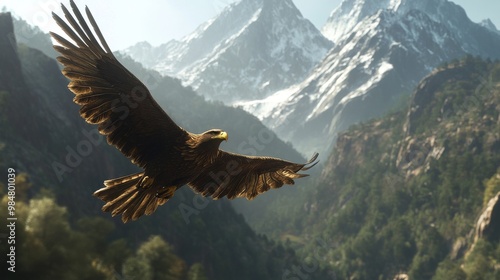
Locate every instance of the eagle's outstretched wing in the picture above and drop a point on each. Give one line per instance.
(235, 175)
(111, 96)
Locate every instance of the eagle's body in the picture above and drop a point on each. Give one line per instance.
(126, 113)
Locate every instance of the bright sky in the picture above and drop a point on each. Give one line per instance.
(126, 22)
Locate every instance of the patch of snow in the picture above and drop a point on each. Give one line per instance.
(394, 4)
(265, 107)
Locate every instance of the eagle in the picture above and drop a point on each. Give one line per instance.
(125, 112)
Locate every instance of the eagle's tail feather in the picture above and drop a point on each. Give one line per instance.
(125, 196)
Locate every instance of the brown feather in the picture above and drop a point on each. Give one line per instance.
(256, 175)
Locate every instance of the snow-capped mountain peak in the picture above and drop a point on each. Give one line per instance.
(251, 49)
(351, 12)
(489, 25)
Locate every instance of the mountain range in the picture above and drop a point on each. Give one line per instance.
(382, 49)
(265, 57)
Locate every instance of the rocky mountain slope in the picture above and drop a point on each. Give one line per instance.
(382, 49)
(402, 194)
(251, 49)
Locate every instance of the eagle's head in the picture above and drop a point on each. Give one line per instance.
(208, 142)
(214, 136)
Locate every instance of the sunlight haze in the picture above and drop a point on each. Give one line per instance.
(125, 23)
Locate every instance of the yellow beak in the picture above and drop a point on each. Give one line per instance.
(222, 135)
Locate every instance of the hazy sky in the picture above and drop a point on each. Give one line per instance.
(127, 22)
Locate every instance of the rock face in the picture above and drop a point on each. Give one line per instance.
(488, 224)
(8, 50)
(382, 50)
(12, 82)
(426, 90)
(251, 49)
(402, 276)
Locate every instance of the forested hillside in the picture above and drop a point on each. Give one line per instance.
(402, 193)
